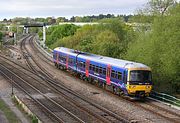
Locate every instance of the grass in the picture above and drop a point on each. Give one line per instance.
(11, 117)
(178, 102)
(31, 118)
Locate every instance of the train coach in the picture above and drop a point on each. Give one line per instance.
(122, 77)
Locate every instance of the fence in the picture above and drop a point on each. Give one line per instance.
(165, 98)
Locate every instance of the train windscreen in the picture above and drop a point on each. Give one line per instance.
(140, 76)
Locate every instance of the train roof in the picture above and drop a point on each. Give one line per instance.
(105, 60)
(66, 50)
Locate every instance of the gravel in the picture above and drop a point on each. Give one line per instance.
(102, 97)
(5, 95)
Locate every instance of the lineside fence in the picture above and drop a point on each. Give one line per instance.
(45, 50)
(165, 98)
(155, 95)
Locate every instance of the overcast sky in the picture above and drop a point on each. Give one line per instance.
(66, 8)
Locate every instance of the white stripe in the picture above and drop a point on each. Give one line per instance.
(96, 76)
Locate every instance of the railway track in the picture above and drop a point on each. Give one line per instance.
(104, 114)
(46, 105)
(148, 102)
(165, 113)
(68, 94)
(148, 106)
(98, 112)
(61, 100)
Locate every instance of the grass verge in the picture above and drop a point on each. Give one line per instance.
(11, 117)
(32, 118)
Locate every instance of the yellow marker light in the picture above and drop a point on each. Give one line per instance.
(148, 86)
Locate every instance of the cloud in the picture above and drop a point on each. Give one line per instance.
(66, 7)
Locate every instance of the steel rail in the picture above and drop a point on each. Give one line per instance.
(48, 98)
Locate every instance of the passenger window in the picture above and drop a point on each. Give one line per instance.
(93, 68)
(100, 70)
(104, 71)
(71, 61)
(96, 69)
(79, 63)
(54, 56)
(90, 66)
(119, 75)
(113, 74)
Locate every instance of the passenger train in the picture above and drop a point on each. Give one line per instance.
(122, 77)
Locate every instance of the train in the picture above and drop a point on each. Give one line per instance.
(122, 77)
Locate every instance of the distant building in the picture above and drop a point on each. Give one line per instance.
(78, 23)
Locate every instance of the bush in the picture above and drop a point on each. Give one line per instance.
(58, 32)
(160, 50)
(109, 38)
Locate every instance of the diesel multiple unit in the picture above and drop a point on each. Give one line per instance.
(121, 76)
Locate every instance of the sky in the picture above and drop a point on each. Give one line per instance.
(66, 8)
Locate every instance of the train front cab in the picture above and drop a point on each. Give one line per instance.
(139, 82)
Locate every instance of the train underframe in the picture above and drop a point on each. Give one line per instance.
(113, 88)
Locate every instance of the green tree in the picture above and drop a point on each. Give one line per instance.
(141, 18)
(1, 35)
(78, 19)
(110, 38)
(58, 32)
(159, 49)
(157, 7)
(61, 19)
(50, 20)
(2, 27)
(107, 43)
(40, 20)
(152, 9)
(82, 40)
(125, 33)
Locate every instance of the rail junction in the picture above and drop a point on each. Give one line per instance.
(53, 94)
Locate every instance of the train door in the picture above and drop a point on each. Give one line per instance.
(108, 74)
(67, 59)
(57, 57)
(125, 77)
(87, 68)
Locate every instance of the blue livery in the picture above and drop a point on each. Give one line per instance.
(122, 76)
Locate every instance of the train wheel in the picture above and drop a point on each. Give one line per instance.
(104, 86)
(87, 79)
(81, 76)
(114, 90)
(78, 74)
(100, 84)
(90, 80)
(57, 65)
(84, 78)
(121, 93)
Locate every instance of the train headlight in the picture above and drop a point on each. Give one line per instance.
(148, 86)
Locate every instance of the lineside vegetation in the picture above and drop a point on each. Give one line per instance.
(158, 47)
